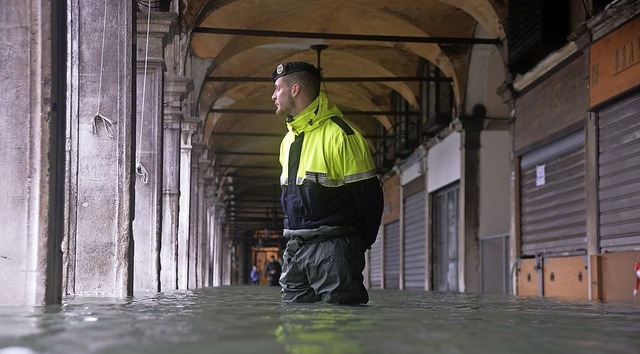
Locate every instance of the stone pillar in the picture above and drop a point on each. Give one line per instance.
(148, 157)
(592, 204)
(31, 131)
(215, 213)
(214, 234)
(205, 246)
(200, 168)
(186, 256)
(100, 128)
(469, 281)
(175, 89)
(208, 230)
(196, 239)
(206, 226)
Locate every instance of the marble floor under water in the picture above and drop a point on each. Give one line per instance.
(251, 319)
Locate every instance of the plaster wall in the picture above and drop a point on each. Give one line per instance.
(443, 163)
(494, 183)
(486, 73)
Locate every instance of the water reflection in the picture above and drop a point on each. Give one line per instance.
(321, 328)
(252, 320)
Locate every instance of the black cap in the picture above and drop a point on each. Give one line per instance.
(294, 67)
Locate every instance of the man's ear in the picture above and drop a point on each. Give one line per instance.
(295, 89)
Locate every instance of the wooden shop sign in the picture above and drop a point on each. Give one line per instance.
(614, 63)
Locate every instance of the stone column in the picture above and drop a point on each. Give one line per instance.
(31, 132)
(148, 157)
(215, 213)
(186, 256)
(592, 205)
(200, 168)
(469, 279)
(196, 246)
(205, 200)
(100, 141)
(214, 234)
(208, 231)
(175, 89)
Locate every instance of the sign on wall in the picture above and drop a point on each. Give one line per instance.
(555, 104)
(614, 60)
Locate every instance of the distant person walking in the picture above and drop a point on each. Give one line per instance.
(273, 272)
(255, 276)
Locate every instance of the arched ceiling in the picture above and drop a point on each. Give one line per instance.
(246, 39)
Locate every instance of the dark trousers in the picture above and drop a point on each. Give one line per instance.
(328, 271)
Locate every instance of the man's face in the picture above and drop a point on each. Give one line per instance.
(283, 98)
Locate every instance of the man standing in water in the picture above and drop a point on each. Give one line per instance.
(331, 195)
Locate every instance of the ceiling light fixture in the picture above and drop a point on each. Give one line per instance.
(319, 48)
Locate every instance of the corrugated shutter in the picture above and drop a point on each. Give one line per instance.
(375, 263)
(619, 183)
(553, 198)
(392, 255)
(414, 241)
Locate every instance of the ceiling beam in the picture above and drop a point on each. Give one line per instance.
(250, 167)
(255, 214)
(250, 177)
(245, 153)
(346, 36)
(256, 210)
(239, 202)
(253, 218)
(335, 79)
(346, 113)
(278, 135)
(249, 134)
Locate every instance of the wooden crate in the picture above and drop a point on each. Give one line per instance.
(566, 277)
(527, 278)
(618, 276)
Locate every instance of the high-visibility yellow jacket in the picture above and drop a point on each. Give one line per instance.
(328, 175)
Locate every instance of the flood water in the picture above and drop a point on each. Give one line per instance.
(251, 319)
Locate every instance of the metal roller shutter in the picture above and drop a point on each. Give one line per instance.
(552, 192)
(375, 263)
(392, 255)
(619, 169)
(414, 241)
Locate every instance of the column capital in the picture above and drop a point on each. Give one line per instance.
(197, 148)
(177, 87)
(204, 162)
(199, 145)
(474, 121)
(160, 29)
(171, 121)
(162, 23)
(508, 93)
(189, 126)
(208, 173)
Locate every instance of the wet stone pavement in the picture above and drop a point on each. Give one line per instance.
(251, 319)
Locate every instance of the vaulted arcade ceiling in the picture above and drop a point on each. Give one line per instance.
(367, 50)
